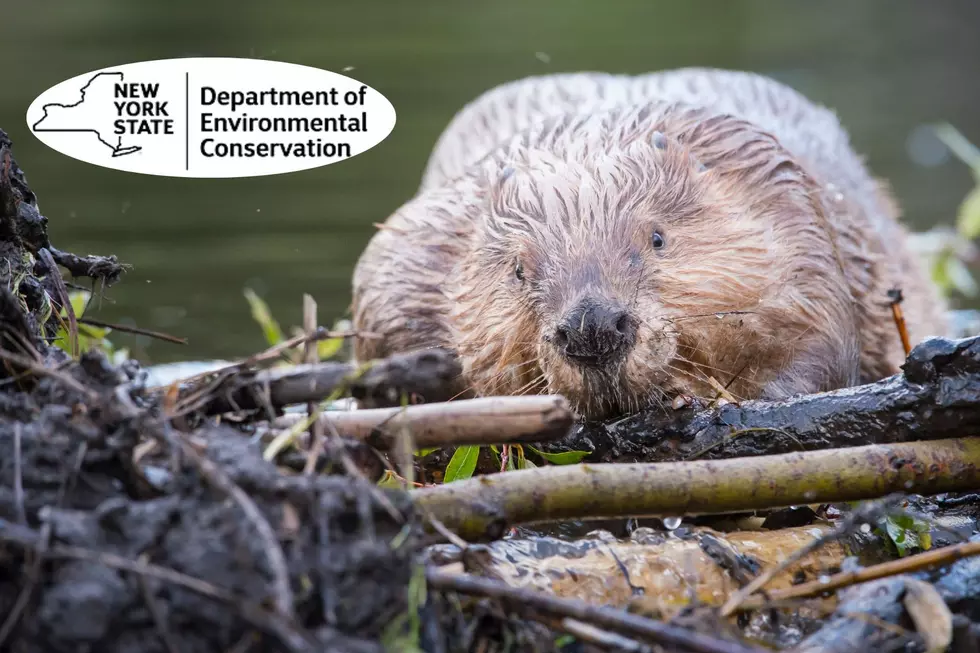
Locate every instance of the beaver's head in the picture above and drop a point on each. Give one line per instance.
(639, 257)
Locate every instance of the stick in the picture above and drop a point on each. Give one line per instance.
(603, 616)
(866, 513)
(934, 398)
(311, 357)
(134, 330)
(64, 298)
(490, 420)
(255, 614)
(40, 370)
(927, 560)
(430, 373)
(483, 506)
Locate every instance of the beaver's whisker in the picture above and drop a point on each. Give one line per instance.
(728, 373)
(717, 314)
(530, 385)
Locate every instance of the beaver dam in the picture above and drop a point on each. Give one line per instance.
(241, 510)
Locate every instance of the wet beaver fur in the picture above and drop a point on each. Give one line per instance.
(624, 240)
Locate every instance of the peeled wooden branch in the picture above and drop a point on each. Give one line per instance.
(607, 617)
(491, 420)
(937, 396)
(926, 560)
(431, 374)
(714, 564)
(484, 506)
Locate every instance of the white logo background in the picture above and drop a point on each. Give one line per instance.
(149, 117)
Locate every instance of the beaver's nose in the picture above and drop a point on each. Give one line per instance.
(594, 333)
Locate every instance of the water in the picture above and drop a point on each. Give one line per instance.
(888, 67)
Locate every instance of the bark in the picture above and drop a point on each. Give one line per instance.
(483, 507)
(936, 396)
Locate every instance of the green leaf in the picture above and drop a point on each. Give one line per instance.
(422, 453)
(524, 463)
(964, 150)
(907, 533)
(968, 217)
(91, 332)
(563, 458)
(462, 464)
(79, 300)
(328, 348)
(940, 276)
(261, 314)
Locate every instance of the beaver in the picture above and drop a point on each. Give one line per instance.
(623, 241)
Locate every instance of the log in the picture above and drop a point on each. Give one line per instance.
(936, 396)
(490, 420)
(483, 507)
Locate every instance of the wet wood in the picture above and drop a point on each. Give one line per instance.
(483, 507)
(937, 396)
(491, 420)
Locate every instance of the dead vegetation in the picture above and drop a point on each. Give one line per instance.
(238, 510)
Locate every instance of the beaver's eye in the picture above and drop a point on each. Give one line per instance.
(519, 271)
(658, 240)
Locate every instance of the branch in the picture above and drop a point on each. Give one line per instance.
(926, 560)
(490, 420)
(482, 507)
(935, 398)
(430, 373)
(603, 616)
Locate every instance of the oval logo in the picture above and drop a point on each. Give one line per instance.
(211, 117)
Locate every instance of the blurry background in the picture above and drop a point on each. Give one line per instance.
(889, 68)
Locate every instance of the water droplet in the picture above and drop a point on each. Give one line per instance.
(671, 523)
(824, 579)
(909, 485)
(810, 495)
(865, 528)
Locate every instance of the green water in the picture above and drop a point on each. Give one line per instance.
(887, 66)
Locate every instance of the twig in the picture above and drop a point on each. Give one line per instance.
(155, 613)
(274, 351)
(429, 373)
(133, 329)
(487, 420)
(481, 507)
(19, 476)
(601, 616)
(63, 297)
(865, 513)
(927, 560)
(277, 624)
(41, 370)
(311, 357)
(40, 550)
(354, 471)
(197, 396)
(895, 299)
(605, 639)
